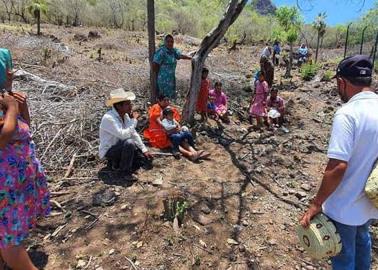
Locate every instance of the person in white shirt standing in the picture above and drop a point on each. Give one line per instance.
(352, 153)
(119, 141)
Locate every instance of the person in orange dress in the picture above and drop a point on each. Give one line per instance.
(203, 95)
(155, 133)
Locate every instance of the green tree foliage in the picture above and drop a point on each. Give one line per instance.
(290, 21)
(191, 17)
(320, 26)
(37, 8)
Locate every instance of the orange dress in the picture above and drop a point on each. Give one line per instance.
(203, 96)
(155, 133)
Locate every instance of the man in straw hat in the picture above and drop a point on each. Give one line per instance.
(352, 153)
(119, 141)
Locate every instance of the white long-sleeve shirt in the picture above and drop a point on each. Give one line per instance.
(113, 129)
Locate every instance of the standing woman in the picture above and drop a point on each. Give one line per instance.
(164, 64)
(23, 189)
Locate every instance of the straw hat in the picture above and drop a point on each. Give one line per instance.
(320, 239)
(371, 187)
(119, 95)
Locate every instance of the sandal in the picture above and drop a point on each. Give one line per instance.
(204, 154)
(194, 157)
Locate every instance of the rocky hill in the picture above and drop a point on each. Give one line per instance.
(264, 7)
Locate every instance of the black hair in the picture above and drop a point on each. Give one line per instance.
(205, 69)
(360, 81)
(167, 111)
(168, 36)
(218, 83)
(162, 97)
(274, 90)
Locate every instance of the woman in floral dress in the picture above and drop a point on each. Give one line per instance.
(164, 63)
(23, 189)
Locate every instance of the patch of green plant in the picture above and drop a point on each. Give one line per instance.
(308, 71)
(175, 207)
(327, 76)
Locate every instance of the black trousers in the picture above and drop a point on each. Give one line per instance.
(126, 156)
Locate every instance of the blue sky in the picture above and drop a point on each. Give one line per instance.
(338, 11)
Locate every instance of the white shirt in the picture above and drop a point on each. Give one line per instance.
(168, 124)
(354, 139)
(266, 52)
(113, 129)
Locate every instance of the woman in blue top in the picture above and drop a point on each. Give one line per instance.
(164, 63)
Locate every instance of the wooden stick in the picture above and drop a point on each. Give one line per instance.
(131, 262)
(69, 169)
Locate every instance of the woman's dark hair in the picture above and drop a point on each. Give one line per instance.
(162, 97)
(205, 70)
(217, 83)
(168, 36)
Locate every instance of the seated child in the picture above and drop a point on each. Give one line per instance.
(180, 136)
(211, 108)
(276, 108)
(220, 101)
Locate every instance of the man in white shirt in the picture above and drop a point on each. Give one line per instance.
(119, 141)
(352, 153)
(267, 51)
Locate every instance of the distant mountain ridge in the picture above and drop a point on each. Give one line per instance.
(264, 7)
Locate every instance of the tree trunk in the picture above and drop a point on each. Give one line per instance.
(38, 23)
(207, 45)
(151, 47)
(288, 69)
(317, 48)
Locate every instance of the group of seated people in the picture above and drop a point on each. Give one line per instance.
(124, 148)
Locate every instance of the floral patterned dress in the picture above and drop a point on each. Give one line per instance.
(166, 80)
(23, 188)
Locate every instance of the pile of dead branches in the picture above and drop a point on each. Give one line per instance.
(64, 122)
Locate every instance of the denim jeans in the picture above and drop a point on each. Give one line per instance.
(178, 138)
(356, 251)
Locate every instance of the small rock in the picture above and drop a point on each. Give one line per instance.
(205, 209)
(245, 223)
(232, 241)
(111, 252)
(81, 264)
(300, 195)
(241, 248)
(272, 242)
(158, 181)
(306, 187)
(203, 220)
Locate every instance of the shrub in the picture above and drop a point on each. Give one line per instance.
(327, 76)
(308, 71)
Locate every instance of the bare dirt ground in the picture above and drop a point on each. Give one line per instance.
(244, 202)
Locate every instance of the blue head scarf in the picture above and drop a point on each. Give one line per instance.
(5, 64)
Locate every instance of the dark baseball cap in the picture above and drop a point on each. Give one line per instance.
(355, 66)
